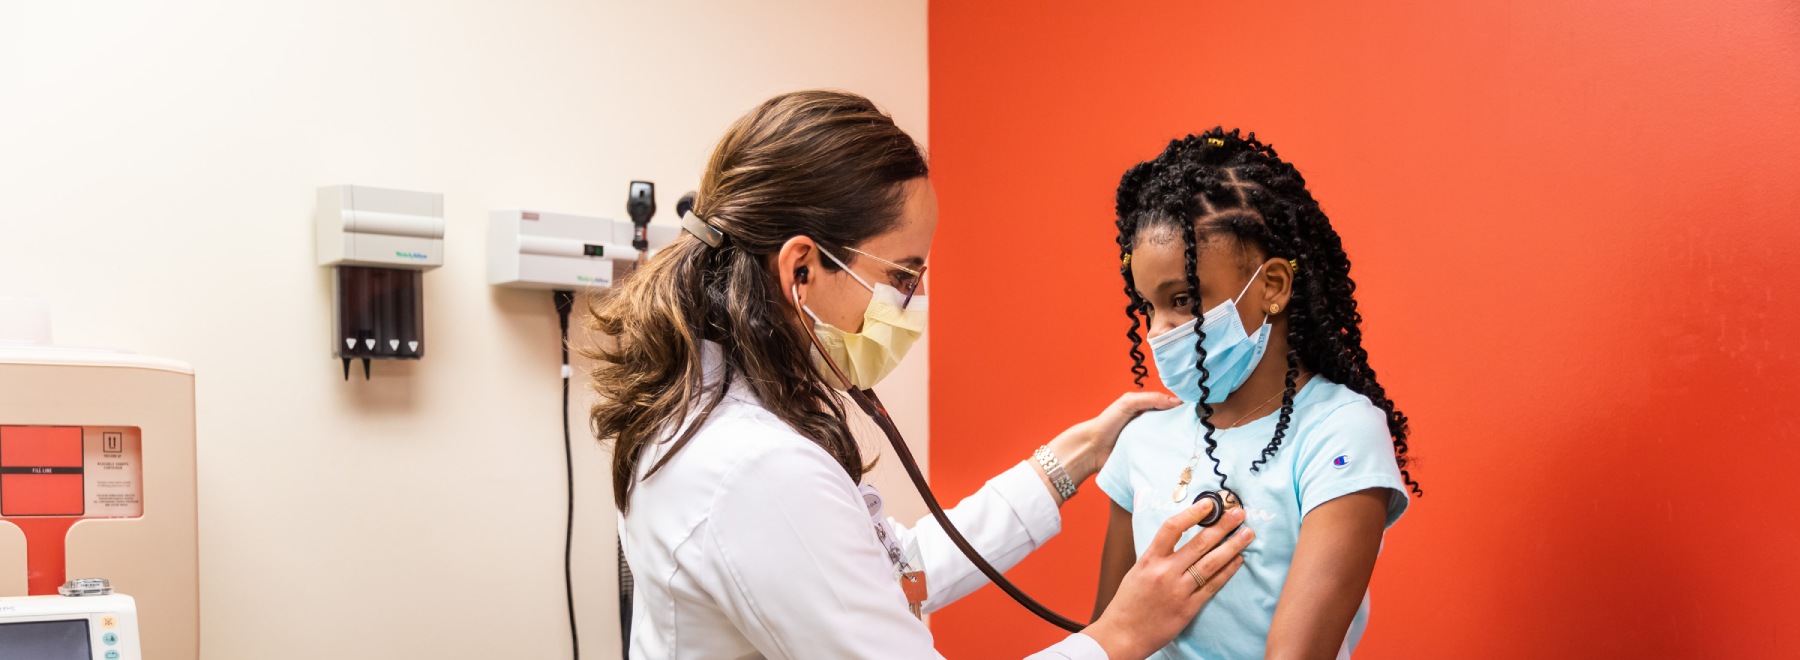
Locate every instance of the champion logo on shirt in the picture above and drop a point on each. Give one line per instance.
(1340, 462)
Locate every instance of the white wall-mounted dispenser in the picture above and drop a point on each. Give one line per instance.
(544, 250)
(366, 226)
(379, 242)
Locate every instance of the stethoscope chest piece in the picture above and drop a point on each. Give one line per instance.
(1223, 500)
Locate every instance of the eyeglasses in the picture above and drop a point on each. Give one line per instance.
(914, 283)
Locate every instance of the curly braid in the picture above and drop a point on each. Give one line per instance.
(1287, 411)
(1190, 254)
(1224, 184)
(1132, 302)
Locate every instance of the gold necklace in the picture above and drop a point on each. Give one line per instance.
(1187, 473)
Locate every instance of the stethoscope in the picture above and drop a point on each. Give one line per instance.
(872, 406)
(1223, 500)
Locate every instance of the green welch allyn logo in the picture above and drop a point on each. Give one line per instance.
(410, 255)
(592, 280)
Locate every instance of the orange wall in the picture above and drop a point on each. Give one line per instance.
(1575, 226)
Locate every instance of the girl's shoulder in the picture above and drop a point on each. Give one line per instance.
(1326, 406)
(1159, 422)
(1341, 445)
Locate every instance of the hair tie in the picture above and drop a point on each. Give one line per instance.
(707, 233)
(1215, 142)
(691, 222)
(1126, 262)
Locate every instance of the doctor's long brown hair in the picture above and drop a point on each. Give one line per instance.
(827, 165)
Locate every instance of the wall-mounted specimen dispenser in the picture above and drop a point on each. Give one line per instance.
(379, 242)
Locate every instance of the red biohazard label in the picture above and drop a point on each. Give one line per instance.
(41, 471)
(71, 471)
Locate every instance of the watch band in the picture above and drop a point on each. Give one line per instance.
(1054, 469)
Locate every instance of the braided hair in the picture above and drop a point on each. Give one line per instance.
(1222, 184)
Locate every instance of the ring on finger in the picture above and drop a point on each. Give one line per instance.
(1199, 582)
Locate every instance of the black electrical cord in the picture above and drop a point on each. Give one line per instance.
(565, 303)
(626, 587)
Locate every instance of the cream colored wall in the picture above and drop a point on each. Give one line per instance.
(158, 163)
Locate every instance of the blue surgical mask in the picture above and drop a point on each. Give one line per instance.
(1231, 353)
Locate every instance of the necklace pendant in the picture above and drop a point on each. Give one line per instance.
(1181, 491)
(1187, 474)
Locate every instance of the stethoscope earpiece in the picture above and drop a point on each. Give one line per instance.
(1223, 500)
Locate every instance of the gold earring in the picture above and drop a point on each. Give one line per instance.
(1274, 308)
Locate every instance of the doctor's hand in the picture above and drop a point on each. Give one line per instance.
(1167, 586)
(1084, 447)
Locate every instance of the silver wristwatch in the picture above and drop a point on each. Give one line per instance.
(1054, 469)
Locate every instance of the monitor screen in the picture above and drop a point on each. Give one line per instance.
(46, 640)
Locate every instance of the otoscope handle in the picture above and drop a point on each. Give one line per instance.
(641, 205)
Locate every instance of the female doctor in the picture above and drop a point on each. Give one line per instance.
(721, 367)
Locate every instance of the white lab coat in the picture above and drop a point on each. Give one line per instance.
(752, 542)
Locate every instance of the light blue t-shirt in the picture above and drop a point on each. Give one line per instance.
(1337, 444)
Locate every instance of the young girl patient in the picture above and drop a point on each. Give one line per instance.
(1243, 291)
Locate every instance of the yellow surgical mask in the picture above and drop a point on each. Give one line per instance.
(888, 332)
